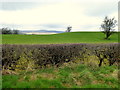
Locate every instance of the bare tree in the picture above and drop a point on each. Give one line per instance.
(8, 31)
(108, 26)
(69, 28)
(15, 31)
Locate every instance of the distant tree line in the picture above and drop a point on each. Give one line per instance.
(8, 31)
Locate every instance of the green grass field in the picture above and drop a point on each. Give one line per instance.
(72, 37)
(67, 76)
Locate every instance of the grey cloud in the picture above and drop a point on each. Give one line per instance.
(13, 26)
(53, 25)
(23, 5)
(17, 26)
(18, 5)
(89, 26)
(101, 9)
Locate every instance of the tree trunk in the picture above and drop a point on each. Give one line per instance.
(100, 62)
(107, 35)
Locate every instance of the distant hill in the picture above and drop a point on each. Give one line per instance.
(41, 31)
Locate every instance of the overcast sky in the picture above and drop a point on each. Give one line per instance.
(82, 15)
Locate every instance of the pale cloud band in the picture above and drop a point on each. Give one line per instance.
(57, 15)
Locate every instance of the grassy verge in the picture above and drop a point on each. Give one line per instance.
(69, 75)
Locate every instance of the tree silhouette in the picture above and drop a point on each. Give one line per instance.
(69, 28)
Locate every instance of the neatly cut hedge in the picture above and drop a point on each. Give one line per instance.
(56, 54)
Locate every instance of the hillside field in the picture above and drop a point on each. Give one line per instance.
(71, 37)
